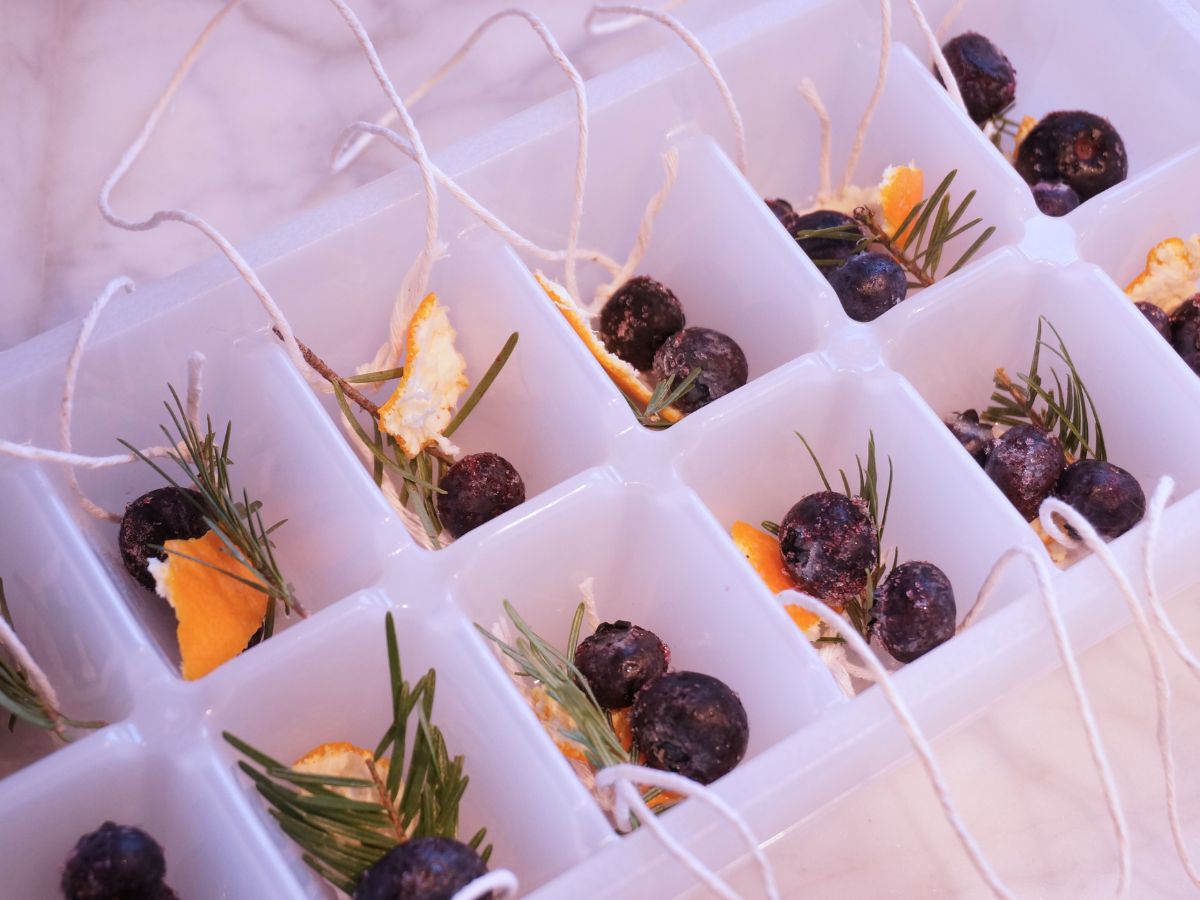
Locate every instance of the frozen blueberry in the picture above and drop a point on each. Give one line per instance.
(722, 365)
(1193, 361)
(1055, 199)
(115, 862)
(424, 868)
(618, 660)
(164, 514)
(828, 543)
(783, 211)
(869, 284)
(692, 724)
(638, 318)
(1106, 495)
(1156, 317)
(914, 610)
(1185, 326)
(1025, 463)
(1079, 148)
(825, 248)
(976, 437)
(986, 79)
(478, 488)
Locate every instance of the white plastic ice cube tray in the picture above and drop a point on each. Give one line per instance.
(645, 513)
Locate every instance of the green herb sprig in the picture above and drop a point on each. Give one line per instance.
(235, 519)
(1003, 126)
(1066, 408)
(666, 394)
(340, 837)
(21, 699)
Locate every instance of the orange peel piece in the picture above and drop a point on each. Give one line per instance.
(624, 375)
(1028, 123)
(343, 760)
(435, 376)
(217, 614)
(900, 189)
(1172, 270)
(762, 552)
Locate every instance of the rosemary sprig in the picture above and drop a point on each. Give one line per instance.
(236, 520)
(929, 226)
(21, 699)
(1001, 126)
(858, 609)
(341, 837)
(666, 393)
(1066, 408)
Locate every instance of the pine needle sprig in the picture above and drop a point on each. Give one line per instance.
(1067, 408)
(858, 609)
(1001, 126)
(342, 837)
(926, 231)
(22, 700)
(666, 394)
(235, 519)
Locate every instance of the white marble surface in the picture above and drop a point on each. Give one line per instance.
(247, 145)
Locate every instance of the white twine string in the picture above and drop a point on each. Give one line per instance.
(864, 124)
(808, 91)
(944, 28)
(1154, 514)
(618, 25)
(37, 678)
(939, 58)
(911, 729)
(630, 808)
(1054, 509)
(499, 884)
(706, 60)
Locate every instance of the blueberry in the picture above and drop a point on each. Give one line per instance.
(164, 514)
(423, 868)
(976, 437)
(115, 862)
(1156, 317)
(986, 79)
(691, 724)
(828, 543)
(618, 660)
(1193, 361)
(638, 318)
(478, 488)
(1025, 464)
(722, 364)
(824, 248)
(1106, 495)
(783, 211)
(869, 284)
(1078, 148)
(1055, 199)
(1185, 326)
(914, 610)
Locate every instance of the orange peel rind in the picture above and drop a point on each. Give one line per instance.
(1171, 273)
(762, 552)
(624, 375)
(343, 760)
(900, 189)
(217, 614)
(435, 376)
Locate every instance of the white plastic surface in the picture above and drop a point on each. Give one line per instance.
(646, 514)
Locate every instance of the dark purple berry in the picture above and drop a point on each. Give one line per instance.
(618, 660)
(828, 543)
(478, 488)
(722, 365)
(1193, 361)
(782, 209)
(986, 79)
(164, 514)
(1025, 463)
(914, 610)
(1106, 495)
(822, 249)
(869, 284)
(1055, 199)
(115, 862)
(638, 318)
(1185, 326)
(976, 437)
(424, 868)
(1156, 317)
(1079, 148)
(691, 724)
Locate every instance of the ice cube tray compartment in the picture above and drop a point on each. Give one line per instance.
(645, 513)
